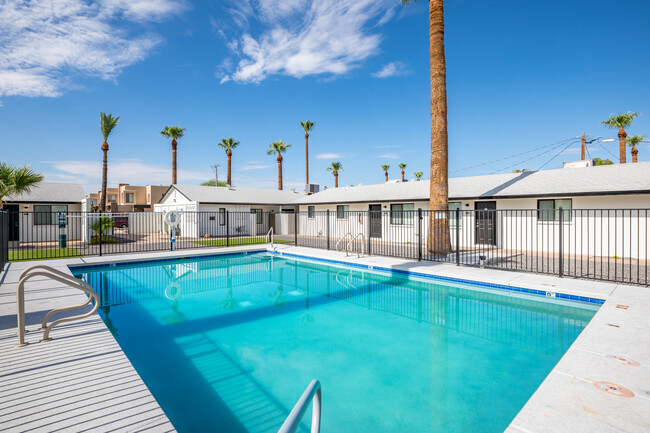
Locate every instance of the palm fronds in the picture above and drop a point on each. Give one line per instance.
(17, 180)
(277, 148)
(621, 120)
(402, 165)
(107, 124)
(634, 140)
(418, 174)
(385, 167)
(228, 143)
(173, 132)
(307, 125)
(335, 167)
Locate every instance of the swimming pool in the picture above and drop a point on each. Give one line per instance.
(229, 343)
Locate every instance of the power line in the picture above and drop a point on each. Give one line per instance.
(554, 156)
(557, 145)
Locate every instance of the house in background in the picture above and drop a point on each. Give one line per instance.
(34, 216)
(129, 198)
(206, 208)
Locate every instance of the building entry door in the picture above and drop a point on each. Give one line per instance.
(486, 219)
(375, 220)
(14, 221)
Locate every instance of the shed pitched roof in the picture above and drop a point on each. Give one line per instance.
(601, 180)
(236, 195)
(50, 192)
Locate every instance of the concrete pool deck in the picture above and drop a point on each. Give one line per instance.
(82, 381)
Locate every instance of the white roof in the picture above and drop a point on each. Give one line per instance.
(600, 180)
(50, 192)
(235, 195)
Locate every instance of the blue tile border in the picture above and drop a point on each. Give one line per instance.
(455, 280)
(84, 267)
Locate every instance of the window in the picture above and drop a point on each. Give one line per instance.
(401, 214)
(222, 216)
(112, 198)
(311, 211)
(342, 211)
(259, 215)
(548, 210)
(46, 215)
(129, 197)
(453, 206)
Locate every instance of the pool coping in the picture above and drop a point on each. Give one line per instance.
(612, 331)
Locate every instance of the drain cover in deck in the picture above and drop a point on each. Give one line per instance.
(623, 360)
(614, 389)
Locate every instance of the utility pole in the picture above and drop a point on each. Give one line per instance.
(583, 147)
(216, 174)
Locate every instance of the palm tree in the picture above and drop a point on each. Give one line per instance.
(418, 175)
(307, 126)
(278, 148)
(228, 144)
(439, 182)
(107, 124)
(335, 167)
(633, 141)
(16, 180)
(402, 165)
(213, 182)
(173, 132)
(598, 161)
(385, 168)
(620, 121)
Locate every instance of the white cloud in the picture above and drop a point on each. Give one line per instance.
(249, 167)
(303, 37)
(393, 69)
(388, 147)
(45, 44)
(328, 156)
(389, 156)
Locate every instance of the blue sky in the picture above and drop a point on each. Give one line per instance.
(521, 75)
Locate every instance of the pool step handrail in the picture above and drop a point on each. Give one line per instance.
(292, 423)
(56, 275)
(342, 239)
(269, 237)
(347, 247)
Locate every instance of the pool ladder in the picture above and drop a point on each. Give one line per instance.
(269, 237)
(348, 250)
(292, 423)
(342, 239)
(56, 275)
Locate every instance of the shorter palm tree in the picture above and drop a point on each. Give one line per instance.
(402, 165)
(17, 180)
(385, 168)
(598, 161)
(107, 123)
(621, 121)
(633, 141)
(278, 148)
(228, 144)
(307, 126)
(173, 132)
(335, 167)
(418, 175)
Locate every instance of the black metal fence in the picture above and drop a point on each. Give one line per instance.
(603, 244)
(4, 239)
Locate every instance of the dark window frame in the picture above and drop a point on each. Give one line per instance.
(311, 212)
(342, 211)
(543, 215)
(401, 217)
(222, 216)
(41, 216)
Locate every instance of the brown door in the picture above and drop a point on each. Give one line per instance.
(486, 227)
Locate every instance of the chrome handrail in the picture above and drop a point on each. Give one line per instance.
(347, 247)
(269, 236)
(343, 238)
(292, 423)
(56, 275)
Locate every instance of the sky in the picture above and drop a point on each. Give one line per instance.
(521, 76)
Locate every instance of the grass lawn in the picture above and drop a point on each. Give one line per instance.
(48, 254)
(221, 242)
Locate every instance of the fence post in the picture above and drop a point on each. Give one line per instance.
(295, 227)
(419, 234)
(369, 232)
(560, 225)
(101, 230)
(457, 236)
(328, 228)
(228, 227)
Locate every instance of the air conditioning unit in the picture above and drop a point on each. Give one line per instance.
(312, 188)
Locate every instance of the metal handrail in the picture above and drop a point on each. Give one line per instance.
(269, 234)
(343, 238)
(56, 275)
(347, 247)
(292, 423)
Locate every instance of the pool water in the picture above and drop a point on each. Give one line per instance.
(228, 344)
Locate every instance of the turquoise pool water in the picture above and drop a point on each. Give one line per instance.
(229, 344)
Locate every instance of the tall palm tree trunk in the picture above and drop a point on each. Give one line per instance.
(438, 240)
(402, 175)
(102, 203)
(306, 158)
(174, 145)
(634, 153)
(622, 135)
(386, 175)
(336, 179)
(229, 155)
(280, 172)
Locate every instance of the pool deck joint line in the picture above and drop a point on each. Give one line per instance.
(49, 386)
